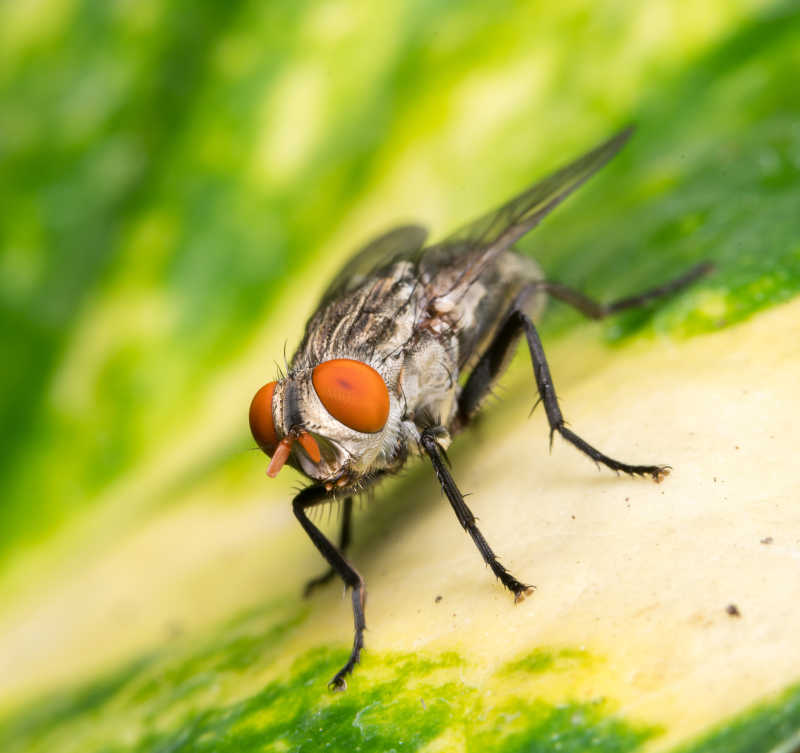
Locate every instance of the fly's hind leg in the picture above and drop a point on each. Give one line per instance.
(491, 364)
(309, 497)
(556, 420)
(596, 310)
(344, 542)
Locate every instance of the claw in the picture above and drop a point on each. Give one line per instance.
(661, 473)
(523, 593)
(337, 685)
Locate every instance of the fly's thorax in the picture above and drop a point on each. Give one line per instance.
(429, 379)
(346, 452)
(375, 321)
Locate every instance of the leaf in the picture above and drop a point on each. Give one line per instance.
(181, 184)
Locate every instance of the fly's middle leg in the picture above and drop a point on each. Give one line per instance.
(315, 495)
(516, 324)
(431, 447)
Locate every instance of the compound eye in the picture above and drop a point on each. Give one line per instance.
(261, 423)
(352, 393)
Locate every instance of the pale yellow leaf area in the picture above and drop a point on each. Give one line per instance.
(638, 574)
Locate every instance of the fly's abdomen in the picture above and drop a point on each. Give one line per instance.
(475, 306)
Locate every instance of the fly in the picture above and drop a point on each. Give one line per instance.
(376, 378)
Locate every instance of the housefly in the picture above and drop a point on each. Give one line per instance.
(404, 346)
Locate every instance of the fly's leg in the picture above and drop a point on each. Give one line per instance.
(465, 516)
(595, 310)
(490, 366)
(344, 542)
(548, 395)
(314, 495)
(493, 362)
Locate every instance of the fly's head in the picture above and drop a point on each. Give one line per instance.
(330, 421)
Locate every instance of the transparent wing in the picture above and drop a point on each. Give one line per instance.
(403, 242)
(500, 228)
(491, 233)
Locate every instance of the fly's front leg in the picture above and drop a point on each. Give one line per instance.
(465, 516)
(314, 495)
(344, 542)
(489, 367)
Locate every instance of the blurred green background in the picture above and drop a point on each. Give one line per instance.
(168, 166)
(180, 179)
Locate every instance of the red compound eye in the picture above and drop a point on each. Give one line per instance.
(352, 393)
(261, 423)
